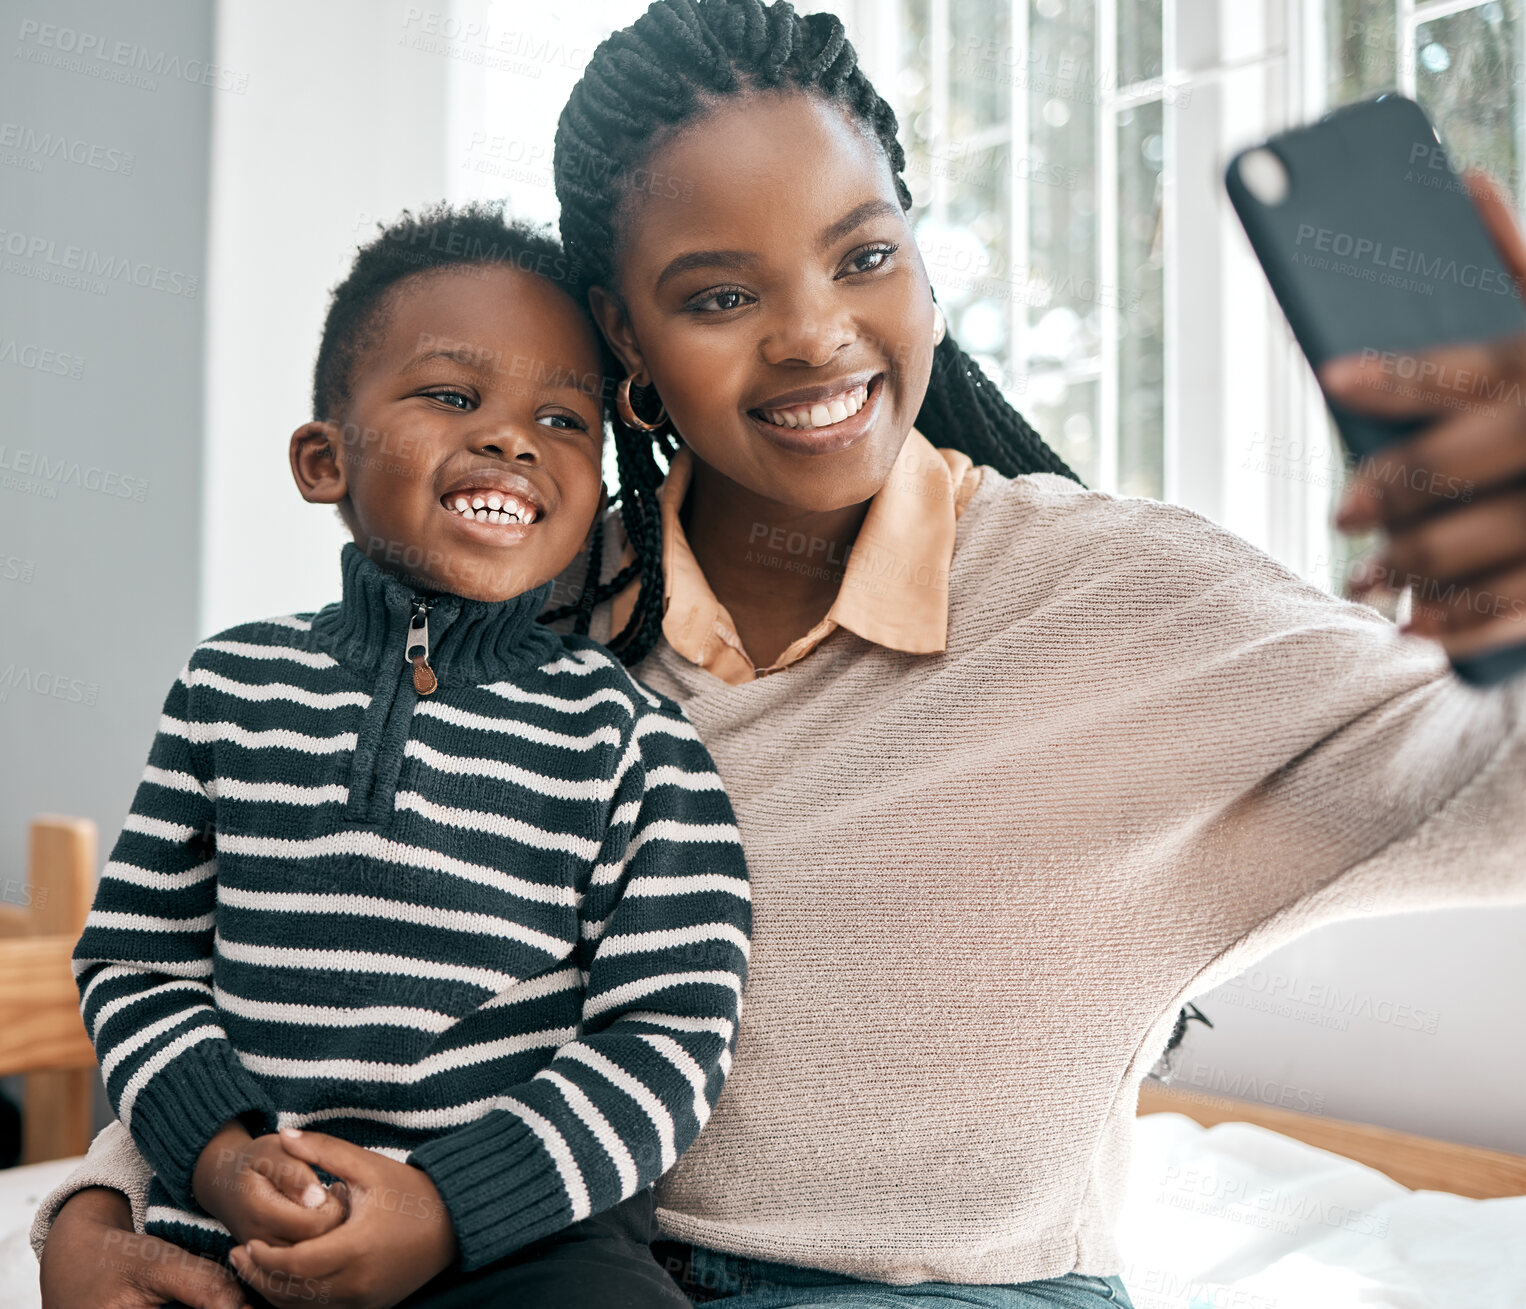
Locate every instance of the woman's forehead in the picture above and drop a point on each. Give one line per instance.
(765, 170)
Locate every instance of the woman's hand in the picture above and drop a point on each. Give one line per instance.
(94, 1260)
(256, 1189)
(1451, 499)
(396, 1238)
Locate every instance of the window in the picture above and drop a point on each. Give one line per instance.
(1065, 159)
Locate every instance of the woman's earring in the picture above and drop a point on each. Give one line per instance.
(940, 324)
(628, 415)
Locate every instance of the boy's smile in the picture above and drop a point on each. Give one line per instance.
(470, 447)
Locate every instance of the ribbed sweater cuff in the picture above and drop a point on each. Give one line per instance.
(186, 1104)
(499, 1185)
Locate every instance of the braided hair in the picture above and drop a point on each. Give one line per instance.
(642, 84)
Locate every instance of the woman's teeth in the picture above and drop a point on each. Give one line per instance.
(820, 415)
(493, 507)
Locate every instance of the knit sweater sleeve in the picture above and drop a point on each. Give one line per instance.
(666, 924)
(144, 963)
(113, 1162)
(1322, 765)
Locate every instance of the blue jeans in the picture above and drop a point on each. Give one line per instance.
(734, 1282)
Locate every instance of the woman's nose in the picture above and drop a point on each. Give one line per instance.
(808, 334)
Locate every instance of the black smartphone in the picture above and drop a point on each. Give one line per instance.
(1372, 244)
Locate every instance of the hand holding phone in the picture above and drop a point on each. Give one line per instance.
(1381, 259)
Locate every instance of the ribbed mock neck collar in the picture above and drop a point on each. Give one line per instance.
(470, 641)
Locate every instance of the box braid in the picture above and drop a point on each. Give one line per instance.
(642, 84)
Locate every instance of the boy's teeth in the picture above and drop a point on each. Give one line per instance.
(493, 507)
(820, 415)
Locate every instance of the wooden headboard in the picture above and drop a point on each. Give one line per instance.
(41, 1034)
(1418, 1162)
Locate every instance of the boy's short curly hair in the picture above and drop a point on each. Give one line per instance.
(440, 236)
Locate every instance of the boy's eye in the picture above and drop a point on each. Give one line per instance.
(720, 301)
(456, 399)
(870, 258)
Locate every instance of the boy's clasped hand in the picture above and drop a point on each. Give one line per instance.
(373, 1237)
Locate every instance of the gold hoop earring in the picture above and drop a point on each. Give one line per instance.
(629, 416)
(940, 324)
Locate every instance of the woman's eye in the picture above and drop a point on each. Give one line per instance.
(721, 301)
(568, 421)
(456, 399)
(866, 261)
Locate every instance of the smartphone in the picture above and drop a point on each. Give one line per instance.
(1371, 243)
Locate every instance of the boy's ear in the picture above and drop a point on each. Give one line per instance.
(613, 320)
(316, 464)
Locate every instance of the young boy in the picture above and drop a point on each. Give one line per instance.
(416, 870)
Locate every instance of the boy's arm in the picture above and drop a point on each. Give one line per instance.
(144, 965)
(667, 921)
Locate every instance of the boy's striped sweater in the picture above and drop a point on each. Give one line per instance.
(499, 931)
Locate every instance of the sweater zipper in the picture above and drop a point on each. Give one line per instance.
(384, 731)
(424, 680)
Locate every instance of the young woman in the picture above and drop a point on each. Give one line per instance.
(1019, 767)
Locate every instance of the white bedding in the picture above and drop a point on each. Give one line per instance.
(1233, 1217)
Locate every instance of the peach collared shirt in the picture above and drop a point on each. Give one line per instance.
(894, 589)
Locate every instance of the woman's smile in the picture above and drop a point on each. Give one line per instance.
(806, 422)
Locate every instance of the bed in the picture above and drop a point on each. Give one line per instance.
(1230, 1205)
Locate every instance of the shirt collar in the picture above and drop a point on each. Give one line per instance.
(894, 590)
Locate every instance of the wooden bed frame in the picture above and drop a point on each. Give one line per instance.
(1418, 1162)
(41, 1035)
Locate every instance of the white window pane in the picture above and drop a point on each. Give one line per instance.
(1139, 41)
(1467, 76)
(1362, 47)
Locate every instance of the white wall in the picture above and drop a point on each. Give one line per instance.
(342, 125)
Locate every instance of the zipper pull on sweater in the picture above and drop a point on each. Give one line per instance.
(424, 680)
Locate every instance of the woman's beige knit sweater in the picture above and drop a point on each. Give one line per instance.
(986, 879)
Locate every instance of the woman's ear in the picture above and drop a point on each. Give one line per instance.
(316, 464)
(610, 314)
